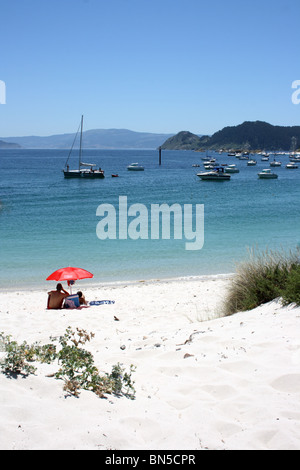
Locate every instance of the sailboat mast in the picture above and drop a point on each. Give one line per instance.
(80, 148)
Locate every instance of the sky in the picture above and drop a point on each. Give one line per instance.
(158, 66)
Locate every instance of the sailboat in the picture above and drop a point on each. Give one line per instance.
(85, 170)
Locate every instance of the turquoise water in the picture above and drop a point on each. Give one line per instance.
(48, 222)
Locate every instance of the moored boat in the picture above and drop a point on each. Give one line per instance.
(211, 163)
(85, 170)
(291, 165)
(231, 169)
(267, 174)
(135, 167)
(275, 163)
(217, 174)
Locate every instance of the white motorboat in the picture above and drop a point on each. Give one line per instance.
(291, 165)
(217, 174)
(135, 167)
(251, 162)
(267, 174)
(264, 159)
(294, 157)
(212, 161)
(275, 163)
(265, 156)
(231, 169)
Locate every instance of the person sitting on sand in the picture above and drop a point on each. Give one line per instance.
(82, 300)
(56, 297)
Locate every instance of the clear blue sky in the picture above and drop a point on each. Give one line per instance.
(147, 65)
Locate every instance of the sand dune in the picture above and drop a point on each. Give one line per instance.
(202, 381)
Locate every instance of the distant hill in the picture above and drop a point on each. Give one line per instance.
(184, 140)
(8, 145)
(95, 138)
(249, 135)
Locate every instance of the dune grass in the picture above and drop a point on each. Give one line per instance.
(265, 276)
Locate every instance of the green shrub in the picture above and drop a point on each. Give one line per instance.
(18, 357)
(264, 277)
(291, 291)
(76, 365)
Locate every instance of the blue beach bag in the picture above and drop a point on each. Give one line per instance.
(72, 301)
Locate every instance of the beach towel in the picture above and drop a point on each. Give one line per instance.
(101, 302)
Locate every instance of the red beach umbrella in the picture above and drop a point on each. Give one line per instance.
(69, 274)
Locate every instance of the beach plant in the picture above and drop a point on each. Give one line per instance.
(265, 276)
(291, 291)
(76, 365)
(45, 353)
(78, 370)
(121, 382)
(18, 357)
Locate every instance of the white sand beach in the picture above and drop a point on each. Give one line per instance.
(202, 381)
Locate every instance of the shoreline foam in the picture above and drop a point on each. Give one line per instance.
(94, 284)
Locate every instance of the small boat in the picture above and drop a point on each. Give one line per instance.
(231, 169)
(294, 156)
(85, 170)
(217, 174)
(264, 159)
(209, 166)
(114, 175)
(275, 163)
(196, 165)
(244, 157)
(251, 162)
(135, 167)
(211, 162)
(267, 174)
(291, 165)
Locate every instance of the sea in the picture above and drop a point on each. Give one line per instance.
(48, 222)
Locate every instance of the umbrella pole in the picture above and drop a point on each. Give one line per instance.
(70, 285)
